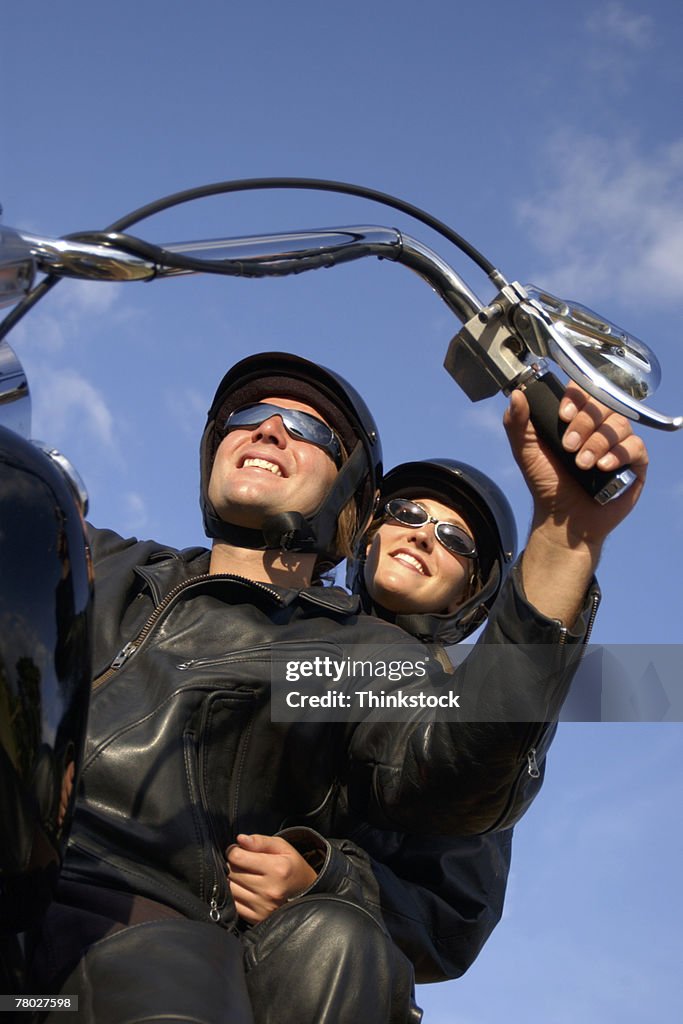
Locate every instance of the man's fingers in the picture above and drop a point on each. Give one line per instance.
(574, 400)
(516, 422)
(631, 451)
(517, 413)
(587, 420)
(597, 440)
(596, 435)
(593, 431)
(610, 445)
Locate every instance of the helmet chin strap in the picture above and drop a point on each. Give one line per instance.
(454, 627)
(433, 628)
(292, 531)
(238, 536)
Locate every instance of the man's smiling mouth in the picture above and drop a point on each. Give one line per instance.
(257, 463)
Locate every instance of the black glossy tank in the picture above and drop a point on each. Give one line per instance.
(45, 601)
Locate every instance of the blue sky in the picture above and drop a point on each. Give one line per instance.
(550, 136)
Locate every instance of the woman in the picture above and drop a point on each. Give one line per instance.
(433, 561)
(437, 551)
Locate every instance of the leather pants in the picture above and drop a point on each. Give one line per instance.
(325, 960)
(318, 960)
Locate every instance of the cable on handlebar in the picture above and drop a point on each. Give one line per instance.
(179, 261)
(312, 184)
(253, 184)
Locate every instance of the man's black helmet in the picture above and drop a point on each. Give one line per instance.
(279, 374)
(484, 508)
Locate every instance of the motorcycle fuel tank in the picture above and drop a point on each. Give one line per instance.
(45, 642)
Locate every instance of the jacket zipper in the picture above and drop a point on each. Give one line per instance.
(591, 620)
(214, 912)
(214, 905)
(220, 881)
(130, 648)
(213, 878)
(225, 659)
(221, 886)
(532, 764)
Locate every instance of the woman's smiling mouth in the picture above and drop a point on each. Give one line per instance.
(411, 561)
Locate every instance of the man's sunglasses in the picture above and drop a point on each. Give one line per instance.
(299, 425)
(454, 538)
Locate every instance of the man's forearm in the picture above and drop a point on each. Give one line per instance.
(557, 573)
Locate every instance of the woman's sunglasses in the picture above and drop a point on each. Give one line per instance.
(455, 540)
(299, 425)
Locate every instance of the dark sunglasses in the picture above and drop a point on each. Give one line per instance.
(299, 425)
(455, 540)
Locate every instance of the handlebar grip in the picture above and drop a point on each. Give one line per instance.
(544, 394)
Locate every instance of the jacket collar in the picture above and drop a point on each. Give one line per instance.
(169, 569)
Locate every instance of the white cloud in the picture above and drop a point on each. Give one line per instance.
(61, 316)
(187, 408)
(79, 297)
(613, 24)
(611, 219)
(65, 404)
(484, 417)
(618, 41)
(135, 514)
(69, 403)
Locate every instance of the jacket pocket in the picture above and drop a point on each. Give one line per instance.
(305, 649)
(210, 770)
(251, 772)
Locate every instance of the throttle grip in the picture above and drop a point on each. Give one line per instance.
(544, 394)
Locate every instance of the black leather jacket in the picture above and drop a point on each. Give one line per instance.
(182, 755)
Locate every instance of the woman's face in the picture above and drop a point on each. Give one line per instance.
(407, 570)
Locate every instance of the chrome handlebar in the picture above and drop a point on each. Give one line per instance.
(255, 256)
(499, 347)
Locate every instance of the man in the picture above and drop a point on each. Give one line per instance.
(182, 756)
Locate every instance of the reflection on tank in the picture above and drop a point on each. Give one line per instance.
(45, 593)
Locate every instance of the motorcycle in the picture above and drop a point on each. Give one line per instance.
(46, 591)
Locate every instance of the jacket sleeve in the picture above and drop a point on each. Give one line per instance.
(479, 769)
(439, 899)
(117, 562)
(114, 559)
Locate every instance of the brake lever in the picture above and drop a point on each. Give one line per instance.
(505, 346)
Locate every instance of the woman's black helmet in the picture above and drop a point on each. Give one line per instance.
(487, 512)
(279, 374)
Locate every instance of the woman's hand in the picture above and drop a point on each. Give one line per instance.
(263, 873)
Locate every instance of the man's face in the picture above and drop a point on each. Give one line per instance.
(261, 471)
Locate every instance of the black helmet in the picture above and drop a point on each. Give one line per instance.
(273, 374)
(488, 513)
